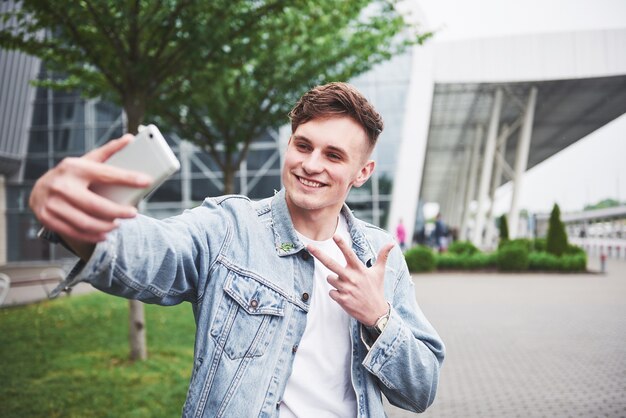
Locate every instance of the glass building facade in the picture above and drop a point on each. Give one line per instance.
(64, 124)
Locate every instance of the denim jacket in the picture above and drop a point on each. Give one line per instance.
(249, 279)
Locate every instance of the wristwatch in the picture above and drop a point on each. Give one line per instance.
(381, 322)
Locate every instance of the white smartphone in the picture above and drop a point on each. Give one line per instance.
(147, 153)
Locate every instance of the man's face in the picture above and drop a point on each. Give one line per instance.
(324, 159)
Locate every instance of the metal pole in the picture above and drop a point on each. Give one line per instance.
(521, 160)
(485, 175)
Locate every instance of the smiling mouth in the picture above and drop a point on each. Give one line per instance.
(309, 183)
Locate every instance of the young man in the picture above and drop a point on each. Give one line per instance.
(302, 310)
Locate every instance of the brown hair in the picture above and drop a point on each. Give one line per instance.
(336, 100)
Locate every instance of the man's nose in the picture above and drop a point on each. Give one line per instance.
(313, 163)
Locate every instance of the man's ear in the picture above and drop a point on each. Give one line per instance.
(364, 174)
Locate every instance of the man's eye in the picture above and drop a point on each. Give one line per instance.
(302, 146)
(334, 156)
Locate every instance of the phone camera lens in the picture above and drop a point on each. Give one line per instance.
(151, 135)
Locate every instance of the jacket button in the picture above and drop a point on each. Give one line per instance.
(305, 255)
(294, 348)
(305, 296)
(254, 303)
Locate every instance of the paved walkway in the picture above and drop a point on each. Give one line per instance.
(529, 345)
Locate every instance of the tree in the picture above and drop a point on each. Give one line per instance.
(131, 53)
(605, 203)
(219, 71)
(223, 109)
(504, 228)
(556, 242)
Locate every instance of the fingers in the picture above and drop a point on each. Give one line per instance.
(383, 255)
(103, 153)
(347, 251)
(96, 172)
(330, 264)
(80, 220)
(100, 207)
(49, 220)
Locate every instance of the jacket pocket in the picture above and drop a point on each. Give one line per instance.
(247, 317)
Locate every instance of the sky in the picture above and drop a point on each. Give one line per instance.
(592, 169)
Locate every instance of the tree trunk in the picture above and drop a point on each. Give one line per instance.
(137, 324)
(229, 176)
(137, 331)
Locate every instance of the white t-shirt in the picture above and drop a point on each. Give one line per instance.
(320, 385)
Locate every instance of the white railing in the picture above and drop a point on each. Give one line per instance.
(610, 247)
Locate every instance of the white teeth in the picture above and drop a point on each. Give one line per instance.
(310, 183)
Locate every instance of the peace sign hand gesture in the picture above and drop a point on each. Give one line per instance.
(359, 290)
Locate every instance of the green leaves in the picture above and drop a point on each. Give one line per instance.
(219, 72)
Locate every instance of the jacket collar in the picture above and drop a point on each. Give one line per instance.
(286, 239)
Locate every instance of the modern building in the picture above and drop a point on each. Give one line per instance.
(461, 118)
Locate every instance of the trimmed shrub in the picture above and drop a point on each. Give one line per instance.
(556, 241)
(512, 257)
(477, 261)
(575, 249)
(522, 242)
(574, 262)
(543, 261)
(540, 244)
(450, 261)
(504, 228)
(419, 259)
(462, 247)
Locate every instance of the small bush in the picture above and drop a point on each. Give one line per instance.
(419, 259)
(449, 261)
(482, 261)
(574, 249)
(556, 241)
(540, 244)
(543, 261)
(574, 262)
(512, 257)
(523, 242)
(462, 247)
(504, 228)
(477, 261)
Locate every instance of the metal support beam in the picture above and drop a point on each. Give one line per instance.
(495, 182)
(485, 175)
(521, 160)
(472, 176)
(464, 175)
(458, 193)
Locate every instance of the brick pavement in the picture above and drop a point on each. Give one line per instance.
(528, 345)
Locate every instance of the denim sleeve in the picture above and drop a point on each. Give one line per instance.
(157, 261)
(407, 357)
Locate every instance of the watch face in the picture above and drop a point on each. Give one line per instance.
(382, 323)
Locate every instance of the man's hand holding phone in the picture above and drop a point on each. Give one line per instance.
(63, 201)
(81, 198)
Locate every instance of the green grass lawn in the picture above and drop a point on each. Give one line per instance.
(69, 358)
